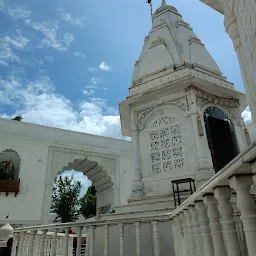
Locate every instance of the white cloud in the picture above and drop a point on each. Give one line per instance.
(38, 103)
(79, 54)
(95, 80)
(104, 67)
(92, 69)
(49, 59)
(68, 18)
(18, 42)
(247, 116)
(19, 13)
(78, 176)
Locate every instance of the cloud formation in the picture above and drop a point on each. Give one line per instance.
(104, 67)
(79, 54)
(38, 103)
(65, 16)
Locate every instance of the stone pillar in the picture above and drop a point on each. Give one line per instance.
(54, 242)
(197, 230)
(16, 239)
(175, 222)
(244, 52)
(185, 232)
(214, 221)
(246, 205)
(138, 239)
(223, 195)
(137, 188)
(106, 240)
(42, 243)
(21, 243)
(79, 240)
(66, 242)
(205, 228)
(156, 238)
(92, 241)
(121, 236)
(32, 243)
(190, 231)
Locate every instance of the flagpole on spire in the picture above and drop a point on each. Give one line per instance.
(151, 7)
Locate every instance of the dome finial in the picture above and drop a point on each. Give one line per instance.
(163, 2)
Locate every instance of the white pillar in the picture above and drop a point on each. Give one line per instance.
(214, 220)
(137, 188)
(92, 241)
(156, 238)
(197, 230)
(121, 236)
(176, 235)
(185, 232)
(16, 239)
(21, 243)
(138, 239)
(42, 243)
(66, 242)
(223, 195)
(32, 243)
(79, 240)
(191, 238)
(246, 205)
(54, 242)
(106, 240)
(205, 228)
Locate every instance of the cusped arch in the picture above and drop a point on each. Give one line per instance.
(94, 172)
(168, 111)
(12, 156)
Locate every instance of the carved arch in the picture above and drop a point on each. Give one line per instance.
(11, 154)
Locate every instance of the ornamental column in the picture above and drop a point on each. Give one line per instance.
(106, 240)
(137, 187)
(223, 195)
(42, 243)
(121, 239)
(138, 239)
(205, 228)
(32, 243)
(190, 231)
(156, 238)
(185, 232)
(79, 241)
(54, 242)
(16, 238)
(197, 230)
(246, 205)
(214, 221)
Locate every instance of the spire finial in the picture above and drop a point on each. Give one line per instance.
(163, 2)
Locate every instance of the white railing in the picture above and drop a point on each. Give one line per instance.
(36, 241)
(219, 219)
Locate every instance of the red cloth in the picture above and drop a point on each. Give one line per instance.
(75, 238)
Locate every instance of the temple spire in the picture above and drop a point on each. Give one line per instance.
(163, 2)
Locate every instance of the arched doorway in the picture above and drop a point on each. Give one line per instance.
(221, 137)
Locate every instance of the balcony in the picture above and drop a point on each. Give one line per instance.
(8, 186)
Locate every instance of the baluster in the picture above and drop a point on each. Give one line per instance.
(156, 238)
(106, 240)
(32, 243)
(121, 235)
(54, 242)
(16, 238)
(138, 239)
(223, 195)
(21, 243)
(246, 205)
(79, 240)
(42, 242)
(92, 241)
(66, 238)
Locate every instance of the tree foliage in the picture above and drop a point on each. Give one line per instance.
(18, 118)
(88, 203)
(65, 199)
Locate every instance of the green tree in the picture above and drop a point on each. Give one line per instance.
(18, 118)
(65, 199)
(88, 203)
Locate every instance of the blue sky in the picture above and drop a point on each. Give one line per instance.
(68, 63)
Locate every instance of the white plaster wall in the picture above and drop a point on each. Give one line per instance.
(252, 130)
(40, 164)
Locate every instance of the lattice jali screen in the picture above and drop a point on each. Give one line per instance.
(167, 150)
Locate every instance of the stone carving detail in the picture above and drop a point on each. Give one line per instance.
(167, 152)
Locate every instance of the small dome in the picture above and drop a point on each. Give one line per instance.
(6, 231)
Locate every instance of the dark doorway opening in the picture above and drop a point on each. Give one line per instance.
(221, 137)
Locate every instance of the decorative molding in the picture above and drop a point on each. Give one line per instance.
(141, 85)
(157, 42)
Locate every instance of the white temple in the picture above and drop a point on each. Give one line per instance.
(185, 121)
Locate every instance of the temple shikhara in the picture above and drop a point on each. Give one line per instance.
(183, 186)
